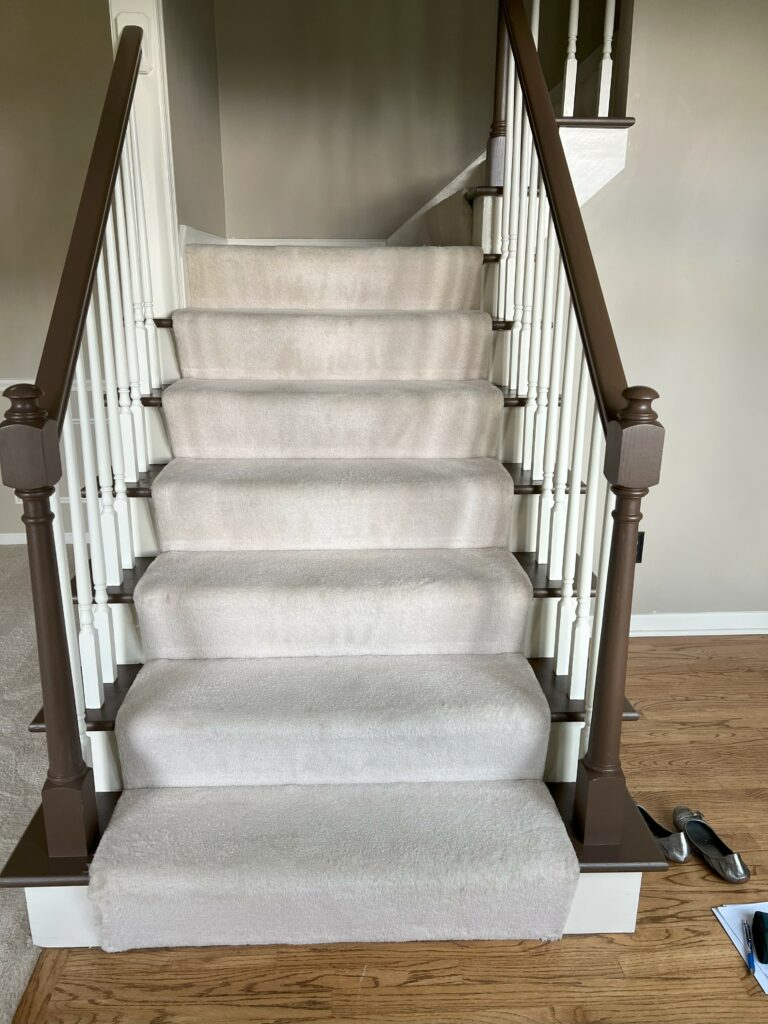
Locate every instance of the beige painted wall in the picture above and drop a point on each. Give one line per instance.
(53, 74)
(680, 242)
(193, 97)
(339, 118)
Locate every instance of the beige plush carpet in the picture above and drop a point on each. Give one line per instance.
(22, 764)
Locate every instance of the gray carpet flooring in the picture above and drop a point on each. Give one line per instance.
(22, 764)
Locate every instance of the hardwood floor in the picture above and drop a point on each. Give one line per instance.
(701, 740)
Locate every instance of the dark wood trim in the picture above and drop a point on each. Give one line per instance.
(154, 400)
(602, 354)
(482, 191)
(557, 688)
(525, 483)
(30, 864)
(491, 257)
(122, 594)
(595, 122)
(636, 849)
(538, 574)
(142, 488)
(163, 321)
(503, 325)
(101, 719)
(62, 343)
(511, 398)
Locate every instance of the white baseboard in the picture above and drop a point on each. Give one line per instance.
(193, 236)
(13, 538)
(700, 624)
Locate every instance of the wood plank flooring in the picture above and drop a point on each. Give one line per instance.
(701, 740)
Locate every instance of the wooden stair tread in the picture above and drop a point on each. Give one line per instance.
(538, 574)
(526, 484)
(122, 594)
(556, 689)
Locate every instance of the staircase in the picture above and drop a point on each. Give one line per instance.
(343, 656)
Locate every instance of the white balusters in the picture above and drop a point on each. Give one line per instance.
(597, 616)
(545, 357)
(581, 628)
(88, 640)
(115, 303)
(110, 542)
(535, 324)
(101, 613)
(131, 341)
(606, 64)
(134, 271)
(560, 480)
(114, 420)
(566, 610)
(571, 66)
(65, 587)
(145, 275)
(546, 502)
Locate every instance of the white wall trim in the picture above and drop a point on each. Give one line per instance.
(194, 236)
(12, 538)
(700, 624)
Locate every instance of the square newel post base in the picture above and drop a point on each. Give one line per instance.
(70, 815)
(599, 806)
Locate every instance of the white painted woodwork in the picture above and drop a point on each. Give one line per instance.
(582, 625)
(541, 413)
(88, 640)
(128, 647)
(108, 517)
(101, 614)
(560, 479)
(107, 776)
(563, 751)
(606, 535)
(606, 63)
(120, 352)
(535, 330)
(70, 626)
(571, 67)
(129, 330)
(61, 916)
(605, 902)
(566, 610)
(134, 270)
(145, 273)
(122, 506)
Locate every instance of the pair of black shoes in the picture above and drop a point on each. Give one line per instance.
(695, 835)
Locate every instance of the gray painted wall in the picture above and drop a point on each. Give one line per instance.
(680, 243)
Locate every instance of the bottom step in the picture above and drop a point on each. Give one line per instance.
(350, 863)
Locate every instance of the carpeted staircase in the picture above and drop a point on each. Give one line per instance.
(336, 735)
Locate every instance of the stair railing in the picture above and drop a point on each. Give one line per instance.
(592, 444)
(74, 442)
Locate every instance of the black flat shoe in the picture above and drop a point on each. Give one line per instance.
(673, 845)
(710, 847)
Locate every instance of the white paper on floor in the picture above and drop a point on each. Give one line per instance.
(732, 918)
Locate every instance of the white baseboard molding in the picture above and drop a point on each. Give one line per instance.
(13, 538)
(700, 624)
(193, 236)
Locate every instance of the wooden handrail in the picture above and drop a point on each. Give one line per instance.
(606, 371)
(62, 343)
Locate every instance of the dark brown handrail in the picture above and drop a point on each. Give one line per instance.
(608, 379)
(62, 343)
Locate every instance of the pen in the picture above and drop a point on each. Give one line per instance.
(750, 948)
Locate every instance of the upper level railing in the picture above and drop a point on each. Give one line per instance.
(561, 371)
(79, 431)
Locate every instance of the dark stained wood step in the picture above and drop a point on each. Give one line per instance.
(491, 257)
(538, 574)
(101, 719)
(524, 482)
(142, 488)
(154, 400)
(637, 850)
(556, 689)
(30, 865)
(511, 398)
(124, 593)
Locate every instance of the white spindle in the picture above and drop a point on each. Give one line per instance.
(547, 499)
(109, 528)
(597, 615)
(145, 274)
(518, 134)
(560, 480)
(129, 202)
(115, 304)
(566, 609)
(70, 626)
(122, 505)
(101, 613)
(90, 660)
(606, 64)
(571, 67)
(502, 281)
(131, 349)
(536, 314)
(581, 628)
(526, 316)
(545, 358)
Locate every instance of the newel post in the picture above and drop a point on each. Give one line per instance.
(31, 465)
(632, 465)
(494, 157)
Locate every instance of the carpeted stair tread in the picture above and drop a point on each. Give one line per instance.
(273, 721)
(249, 604)
(336, 420)
(334, 277)
(305, 864)
(273, 504)
(333, 345)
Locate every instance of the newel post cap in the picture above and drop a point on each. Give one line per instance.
(29, 441)
(634, 441)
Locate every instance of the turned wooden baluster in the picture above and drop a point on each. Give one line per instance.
(634, 444)
(494, 154)
(30, 462)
